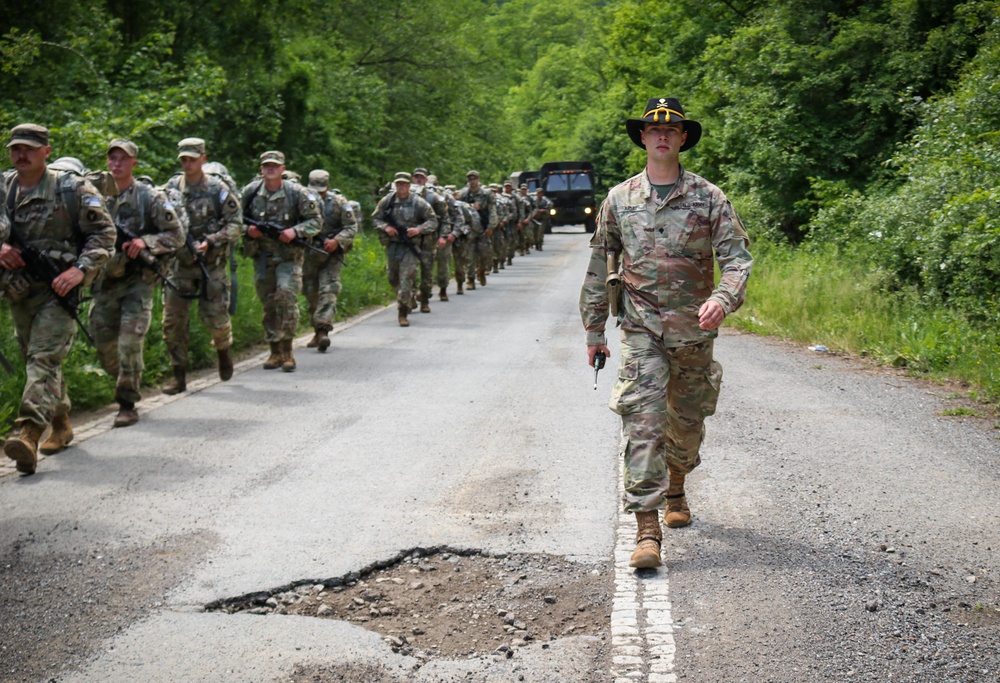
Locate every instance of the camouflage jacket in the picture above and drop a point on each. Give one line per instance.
(458, 217)
(214, 216)
(339, 220)
(290, 206)
(437, 202)
(147, 213)
(412, 212)
(666, 251)
(540, 212)
(65, 217)
(483, 202)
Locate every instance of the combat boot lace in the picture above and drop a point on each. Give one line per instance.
(178, 383)
(225, 365)
(322, 340)
(648, 539)
(22, 446)
(60, 436)
(287, 360)
(275, 359)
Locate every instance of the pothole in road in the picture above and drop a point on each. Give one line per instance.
(443, 602)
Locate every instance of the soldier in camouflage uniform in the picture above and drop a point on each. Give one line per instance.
(214, 225)
(398, 212)
(148, 227)
(666, 224)
(277, 262)
(514, 223)
(528, 208)
(62, 215)
(500, 234)
(539, 219)
(429, 243)
(483, 203)
(456, 243)
(321, 274)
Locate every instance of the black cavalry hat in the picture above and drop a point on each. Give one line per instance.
(664, 110)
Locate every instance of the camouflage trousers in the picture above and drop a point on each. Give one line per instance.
(44, 334)
(537, 234)
(443, 265)
(213, 310)
(120, 314)
(460, 255)
(480, 253)
(401, 267)
(278, 281)
(499, 246)
(321, 287)
(663, 395)
(428, 245)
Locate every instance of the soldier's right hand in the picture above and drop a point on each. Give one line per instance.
(391, 231)
(10, 257)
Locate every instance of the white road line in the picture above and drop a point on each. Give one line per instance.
(104, 424)
(642, 635)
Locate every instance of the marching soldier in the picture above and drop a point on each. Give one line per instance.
(430, 243)
(200, 268)
(148, 227)
(321, 274)
(401, 217)
(484, 204)
(294, 212)
(58, 236)
(540, 218)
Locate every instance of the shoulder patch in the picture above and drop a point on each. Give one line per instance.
(310, 196)
(91, 200)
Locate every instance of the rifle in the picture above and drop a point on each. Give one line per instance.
(41, 267)
(273, 231)
(147, 259)
(200, 260)
(401, 235)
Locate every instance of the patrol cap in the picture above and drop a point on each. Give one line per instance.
(30, 134)
(402, 177)
(450, 188)
(126, 146)
(472, 174)
(522, 186)
(420, 171)
(272, 157)
(432, 179)
(319, 180)
(508, 182)
(190, 147)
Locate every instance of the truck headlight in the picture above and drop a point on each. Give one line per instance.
(588, 210)
(552, 212)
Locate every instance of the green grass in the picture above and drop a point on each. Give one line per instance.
(364, 285)
(817, 297)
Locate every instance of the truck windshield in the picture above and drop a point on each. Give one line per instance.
(561, 182)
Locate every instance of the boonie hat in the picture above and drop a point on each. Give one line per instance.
(126, 146)
(190, 147)
(272, 157)
(30, 134)
(319, 180)
(664, 110)
(402, 177)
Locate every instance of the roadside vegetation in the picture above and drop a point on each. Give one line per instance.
(860, 141)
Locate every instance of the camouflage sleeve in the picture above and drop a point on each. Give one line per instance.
(98, 229)
(492, 204)
(310, 213)
(230, 221)
(341, 223)
(732, 253)
(169, 235)
(456, 219)
(380, 225)
(444, 221)
(430, 222)
(594, 307)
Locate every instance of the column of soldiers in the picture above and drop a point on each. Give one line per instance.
(64, 230)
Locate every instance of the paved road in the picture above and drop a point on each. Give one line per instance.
(845, 529)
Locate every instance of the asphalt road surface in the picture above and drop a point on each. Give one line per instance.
(845, 528)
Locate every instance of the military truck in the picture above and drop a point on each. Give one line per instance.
(570, 186)
(529, 178)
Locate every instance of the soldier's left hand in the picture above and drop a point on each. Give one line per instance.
(287, 235)
(10, 257)
(412, 232)
(331, 245)
(450, 238)
(202, 247)
(67, 280)
(710, 315)
(134, 247)
(443, 242)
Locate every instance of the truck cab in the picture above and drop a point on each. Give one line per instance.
(570, 186)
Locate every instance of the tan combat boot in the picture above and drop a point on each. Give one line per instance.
(312, 343)
(22, 446)
(287, 359)
(225, 364)
(444, 293)
(322, 340)
(471, 283)
(275, 359)
(127, 415)
(60, 436)
(178, 383)
(482, 278)
(458, 287)
(425, 303)
(676, 514)
(648, 539)
(403, 312)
